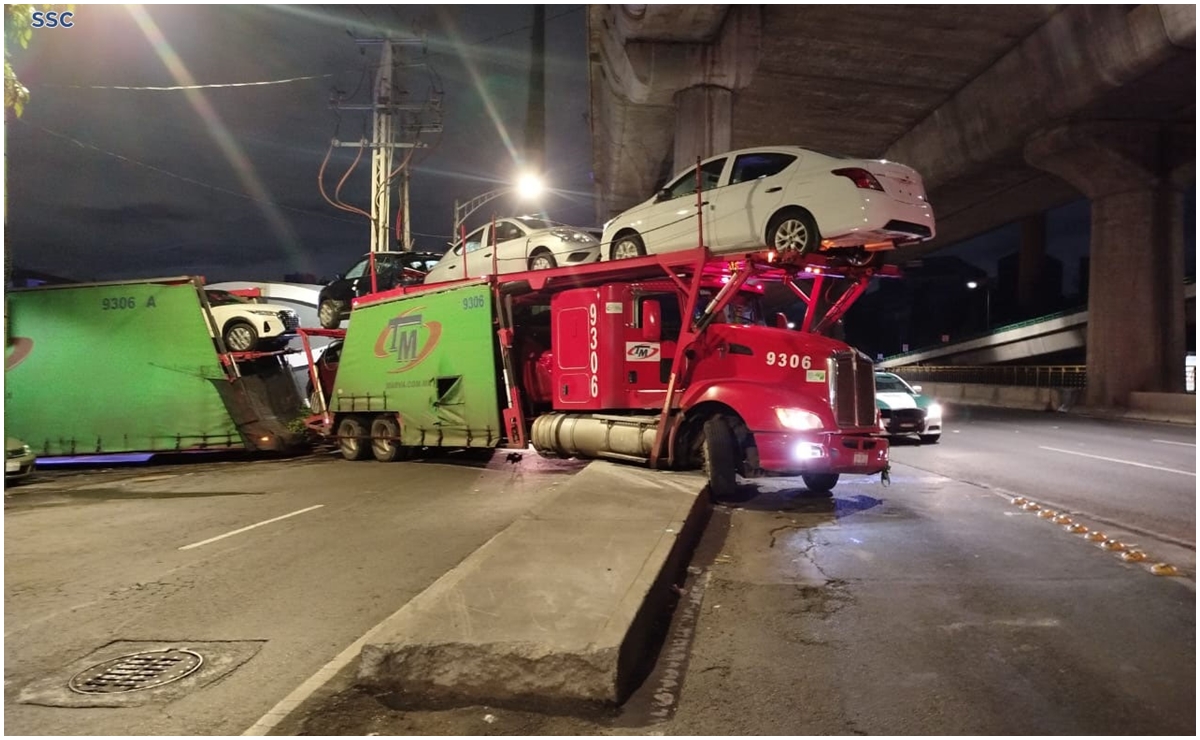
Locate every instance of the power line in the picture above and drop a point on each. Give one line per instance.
(190, 180)
(191, 87)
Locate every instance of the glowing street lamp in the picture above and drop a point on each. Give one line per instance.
(527, 187)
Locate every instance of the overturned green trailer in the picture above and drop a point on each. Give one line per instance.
(134, 367)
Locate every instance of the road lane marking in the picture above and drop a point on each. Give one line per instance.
(1116, 460)
(247, 529)
(1169, 442)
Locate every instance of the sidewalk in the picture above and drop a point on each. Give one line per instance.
(559, 607)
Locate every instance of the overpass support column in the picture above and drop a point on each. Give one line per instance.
(1135, 335)
(1031, 262)
(703, 123)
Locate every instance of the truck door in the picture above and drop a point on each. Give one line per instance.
(650, 345)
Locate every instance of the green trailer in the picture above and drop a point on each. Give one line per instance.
(133, 367)
(417, 371)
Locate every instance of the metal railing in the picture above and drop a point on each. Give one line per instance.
(1037, 376)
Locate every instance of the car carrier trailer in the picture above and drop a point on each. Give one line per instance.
(659, 360)
(137, 366)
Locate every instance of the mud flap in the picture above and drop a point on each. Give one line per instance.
(262, 403)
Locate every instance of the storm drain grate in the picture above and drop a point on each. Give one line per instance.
(136, 672)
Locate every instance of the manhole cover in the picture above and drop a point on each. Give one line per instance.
(136, 672)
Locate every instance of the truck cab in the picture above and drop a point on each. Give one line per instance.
(756, 398)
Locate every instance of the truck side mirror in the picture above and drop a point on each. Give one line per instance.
(916, 389)
(651, 321)
(781, 321)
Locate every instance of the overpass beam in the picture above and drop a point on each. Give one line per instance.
(703, 123)
(1135, 336)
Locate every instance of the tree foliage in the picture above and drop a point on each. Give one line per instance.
(18, 30)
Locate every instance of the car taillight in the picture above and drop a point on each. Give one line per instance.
(862, 179)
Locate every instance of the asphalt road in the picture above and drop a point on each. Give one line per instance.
(162, 555)
(933, 606)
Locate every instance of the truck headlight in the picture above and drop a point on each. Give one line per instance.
(798, 419)
(934, 411)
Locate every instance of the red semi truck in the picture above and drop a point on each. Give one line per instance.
(664, 360)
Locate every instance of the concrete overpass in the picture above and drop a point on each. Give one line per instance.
(1007, 111)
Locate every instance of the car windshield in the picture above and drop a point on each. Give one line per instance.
(891, 384)
(224, 298)
(537, 223)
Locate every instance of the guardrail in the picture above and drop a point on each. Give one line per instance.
(1036, 376)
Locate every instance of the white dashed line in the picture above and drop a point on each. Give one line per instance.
(1169, 442)
(246, 529)
(1123, 462)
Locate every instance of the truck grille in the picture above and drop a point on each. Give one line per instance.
(853, 386)
(904, 416)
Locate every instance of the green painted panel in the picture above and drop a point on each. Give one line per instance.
(120, 367)
(429, 357)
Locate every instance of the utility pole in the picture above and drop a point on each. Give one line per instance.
(393, 118)
(381, 157)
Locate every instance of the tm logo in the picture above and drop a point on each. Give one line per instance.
(408, 339)
(642, 351)
(52, 19)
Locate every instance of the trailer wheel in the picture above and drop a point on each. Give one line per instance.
(719, 449)
(329, 313)
(385, 444)
(351, 439)
(240, 336)
(820, 482)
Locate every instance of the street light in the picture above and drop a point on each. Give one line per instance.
(987, 302)
(527, 187)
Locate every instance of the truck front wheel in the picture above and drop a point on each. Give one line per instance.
(385, 442)
(351, 439)
(820, 482)
(719, 450)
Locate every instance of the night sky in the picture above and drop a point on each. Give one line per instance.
(107, 184)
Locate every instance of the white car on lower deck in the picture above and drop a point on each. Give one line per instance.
(783, 198)
(516, 245)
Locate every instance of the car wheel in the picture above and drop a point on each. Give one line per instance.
(819, 482)
(718, 449)
(542, 259)
(793, 230)
(385, 442)
(929, 439)
(629, 245)
(329, 313)
(240, 336)
(351, 439)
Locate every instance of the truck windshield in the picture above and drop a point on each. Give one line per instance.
(745, 308)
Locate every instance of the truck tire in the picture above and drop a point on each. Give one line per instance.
(329, 313)
(352, 441)
(385, 445)
(820, 482)
(929, 439)
(719, 451)
(240, 336)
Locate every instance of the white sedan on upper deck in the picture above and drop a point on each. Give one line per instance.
(520, 243)
(783, 198)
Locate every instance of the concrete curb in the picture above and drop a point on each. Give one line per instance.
(559, 608)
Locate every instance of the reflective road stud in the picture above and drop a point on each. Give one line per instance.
(1076, 528)
(1030, 506)
(1133, 556)
(1047, 514)
(1112, 545)
(1019, 500)
(1062, 519)
(1096, 537)
(1164, 569)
